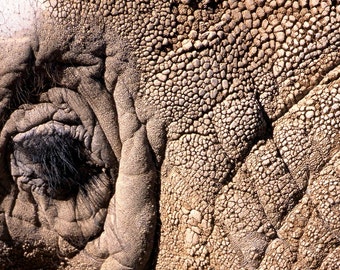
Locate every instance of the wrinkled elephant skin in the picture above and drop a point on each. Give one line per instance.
(182, 134)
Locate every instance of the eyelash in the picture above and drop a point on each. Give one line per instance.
(65, 164)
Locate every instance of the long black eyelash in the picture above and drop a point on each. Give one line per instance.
(64, 163)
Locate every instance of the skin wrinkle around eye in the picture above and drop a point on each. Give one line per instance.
(80, 107)
(24, 140)
(84, 134)
(74, 225)
(86, 211)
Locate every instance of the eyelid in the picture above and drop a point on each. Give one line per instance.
(47, 129)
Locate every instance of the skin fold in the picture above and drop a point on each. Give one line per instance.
(182, 134)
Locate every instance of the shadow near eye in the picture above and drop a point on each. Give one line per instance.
(63, 163)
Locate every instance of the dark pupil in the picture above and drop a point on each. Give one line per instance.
(63, 162)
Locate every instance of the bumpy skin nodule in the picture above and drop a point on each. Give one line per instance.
(206, 133)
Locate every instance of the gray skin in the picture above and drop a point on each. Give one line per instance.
(209, 131)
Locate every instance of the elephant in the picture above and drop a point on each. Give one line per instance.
(170, 134)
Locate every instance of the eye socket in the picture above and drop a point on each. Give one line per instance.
(60, 161)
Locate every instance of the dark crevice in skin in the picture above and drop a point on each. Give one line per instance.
(220, 99)
(212, 5)
(194, 4)
(167, 48)
(157, 239)
(299, 193)
(5, 235)
(264, 134)
(173, 7)
(152, 263)
(268, 134)
(322, 74)
(5, 178)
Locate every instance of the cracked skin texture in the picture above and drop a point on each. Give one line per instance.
(210, 132)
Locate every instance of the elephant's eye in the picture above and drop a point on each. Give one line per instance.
(56, 164)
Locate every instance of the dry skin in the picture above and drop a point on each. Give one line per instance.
(182, 134)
